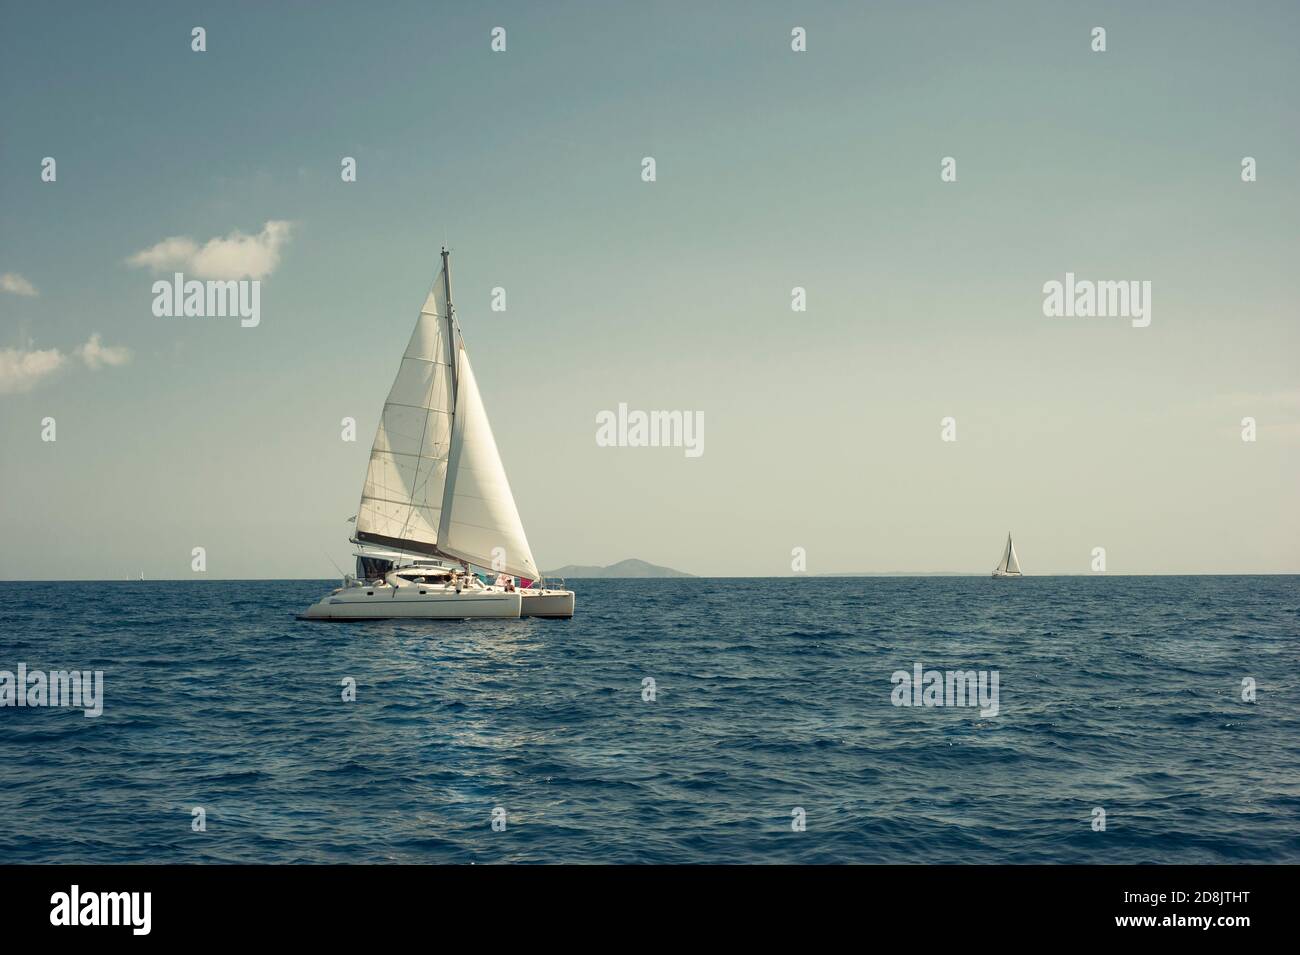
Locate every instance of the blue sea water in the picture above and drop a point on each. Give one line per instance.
(1123, 693)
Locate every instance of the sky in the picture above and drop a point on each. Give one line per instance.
(774, 169)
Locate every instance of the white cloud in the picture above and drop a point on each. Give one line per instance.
(22, 369)
(237, 256)
(13, 282)
(96, 354)
(173, 253)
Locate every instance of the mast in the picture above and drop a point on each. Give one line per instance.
(451, 325)
(449, 482)
(454, 348)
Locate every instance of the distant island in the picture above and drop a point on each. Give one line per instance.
(624, 568)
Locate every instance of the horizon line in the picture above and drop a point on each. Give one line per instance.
(682, 576)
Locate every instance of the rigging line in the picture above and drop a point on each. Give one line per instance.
(331, 560)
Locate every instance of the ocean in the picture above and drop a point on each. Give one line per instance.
(770, 732)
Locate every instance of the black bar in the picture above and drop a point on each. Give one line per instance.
(944, 904)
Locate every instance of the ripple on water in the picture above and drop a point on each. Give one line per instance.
(1122, 693)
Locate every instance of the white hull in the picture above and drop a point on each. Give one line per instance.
(546, 603)
(998, 576)
(410, 603)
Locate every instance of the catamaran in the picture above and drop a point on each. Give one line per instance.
(436, 500)
(1009, 565)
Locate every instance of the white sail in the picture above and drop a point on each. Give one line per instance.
(1009, 564)
(480, 523)
(401, 501)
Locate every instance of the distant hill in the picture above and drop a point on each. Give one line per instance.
(624, 568)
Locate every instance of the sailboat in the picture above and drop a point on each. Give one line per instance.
(1009, 565)
(436, 501)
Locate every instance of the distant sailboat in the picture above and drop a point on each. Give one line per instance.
(1009, 565)
(436, 500)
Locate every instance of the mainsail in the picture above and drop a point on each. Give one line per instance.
(401, 501)
(435, 484)
(1009, 564)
